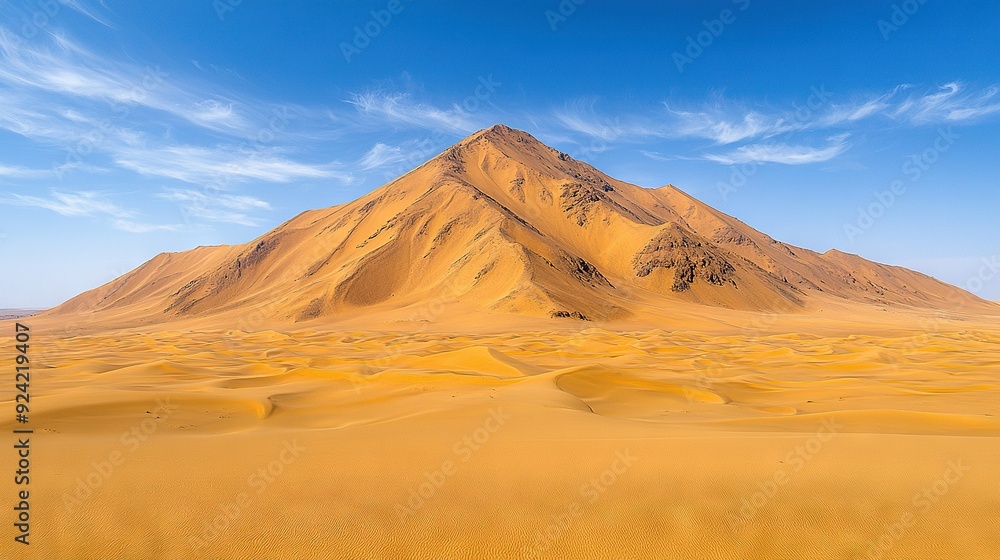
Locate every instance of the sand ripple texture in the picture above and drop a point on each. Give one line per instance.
(588, 444)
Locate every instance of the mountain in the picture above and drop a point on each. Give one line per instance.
(502, 224)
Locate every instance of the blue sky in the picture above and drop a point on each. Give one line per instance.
(132, 128)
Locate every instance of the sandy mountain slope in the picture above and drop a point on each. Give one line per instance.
(503, 224)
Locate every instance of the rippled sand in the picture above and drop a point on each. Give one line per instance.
(578, 444)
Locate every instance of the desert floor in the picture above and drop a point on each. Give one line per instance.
(577, 444)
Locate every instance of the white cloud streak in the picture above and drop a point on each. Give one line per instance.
(782, 153)
(137, 227)
(89, 204)
(398, 109)
(216, 207)
(724, 130)
(952, 102)
(71, 72)
(87, 10)
(381, 155)
(580, 116)
(17, 172)
(726, 122)
(84, 203)
(222, 166)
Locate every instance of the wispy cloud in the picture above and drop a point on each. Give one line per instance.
(839, 115)
(657, 156)
(763, 134)
(727, 123)
(399, 109)
(381, 155)
(104, 114)
(952, 102)
(83, 203)
(137, 227)
(89, 204)
(724, 122)
(60, 93)
(69, 73)
(17, 172)
(29, 14)
(218, 70)
(580, 116)
(723, 129)
(86, 9)
(222, 166)
(783, 153)
(216, 207)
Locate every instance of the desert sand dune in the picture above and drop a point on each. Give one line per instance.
(507, 354)
(767, 446)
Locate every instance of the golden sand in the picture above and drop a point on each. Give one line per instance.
(584, 443)
(507, 354)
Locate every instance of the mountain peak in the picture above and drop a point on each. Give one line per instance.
(501, 128)
(502, 223)
(501, 135)
(505, 143)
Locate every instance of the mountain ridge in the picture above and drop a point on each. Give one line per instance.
(507, 225)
